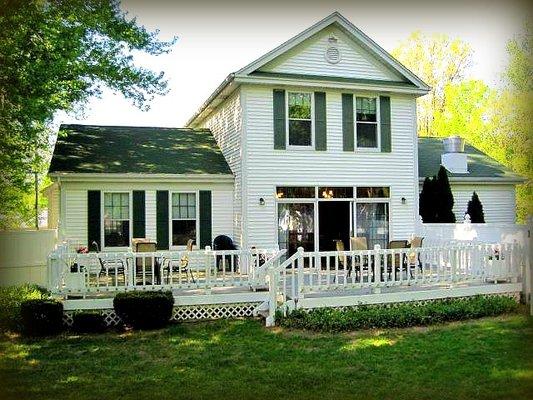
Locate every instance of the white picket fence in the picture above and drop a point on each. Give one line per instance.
(347, 275)
(71, 273)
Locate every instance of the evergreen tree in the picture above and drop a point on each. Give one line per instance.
(427, 209)
(475, 210)
(444, 198)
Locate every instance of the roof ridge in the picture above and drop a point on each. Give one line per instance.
(135, 127)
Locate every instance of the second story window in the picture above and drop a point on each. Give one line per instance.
(300, 121)
(366, 123)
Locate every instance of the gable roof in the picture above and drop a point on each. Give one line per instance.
(482, 168)
(136, 150)
(250, 73)
(353, 32)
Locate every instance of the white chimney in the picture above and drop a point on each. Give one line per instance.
(454, 158)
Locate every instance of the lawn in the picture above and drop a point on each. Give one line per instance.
(490, 358)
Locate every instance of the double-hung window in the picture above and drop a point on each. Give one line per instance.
(116, 219)
(300, 119)
(366, 123)
(183, 218)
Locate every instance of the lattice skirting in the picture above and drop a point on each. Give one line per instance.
(183, 313)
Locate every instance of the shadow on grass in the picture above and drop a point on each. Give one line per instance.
(489, 358)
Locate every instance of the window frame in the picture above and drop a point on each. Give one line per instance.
(287, 119)
(103, 246)
(376, 149)
(171, 219)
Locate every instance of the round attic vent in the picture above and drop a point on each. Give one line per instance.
(333, 55)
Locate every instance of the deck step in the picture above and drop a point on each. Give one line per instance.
(262, 309)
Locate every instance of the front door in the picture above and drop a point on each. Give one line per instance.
(334, 224)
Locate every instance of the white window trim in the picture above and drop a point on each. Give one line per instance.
(170, 219)
(287, 133)
(377, 123)
(103, 247)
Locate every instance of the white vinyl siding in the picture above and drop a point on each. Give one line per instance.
(226, 125)
(75, 224)
(308, 58)
(498, 201)
(75, 204)
(268, 168)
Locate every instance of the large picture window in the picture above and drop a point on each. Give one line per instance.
(116, 219)
(366, 123)
(183, 218)
(300, 119)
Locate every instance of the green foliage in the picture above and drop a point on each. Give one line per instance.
(444, 197)
(10, 300)
(144, 310)
(55, 55)
(440, 61)
(41, 317)
(398, 315)
(436, 199)
(475, 210)
(88, 322)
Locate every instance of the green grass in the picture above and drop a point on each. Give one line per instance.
(490, 358)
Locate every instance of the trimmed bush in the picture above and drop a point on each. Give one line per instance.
(144, 310)
(10, 300)
(88, 322)
(41, 317)
(398, 315)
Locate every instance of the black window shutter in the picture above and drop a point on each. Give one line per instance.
(347, 122)
(93, 220)
(205, 218)
(139, 214)
(321, 141)
(385, 123)
(162, 220)
(279, 119)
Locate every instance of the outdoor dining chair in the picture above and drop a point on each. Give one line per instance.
(358, 243)
(109, 266)
(399, 261)
(180, 266)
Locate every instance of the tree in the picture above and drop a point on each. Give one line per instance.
(55, 55)
(475, 210)
(427, 201)
(444, 198)
(439, 61)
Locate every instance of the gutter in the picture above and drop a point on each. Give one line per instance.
(482, 180)
(127, 177)
(213, 96)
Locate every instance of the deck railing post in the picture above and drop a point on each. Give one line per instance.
(272, 295)
(300, 267)
(130, 268)
(208, 256)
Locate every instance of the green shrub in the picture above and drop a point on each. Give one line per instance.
(41, 317)
(144, 310)
(10, 300)
(88, 322)
(397, 315)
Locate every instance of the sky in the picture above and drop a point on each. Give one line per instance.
(216, 38)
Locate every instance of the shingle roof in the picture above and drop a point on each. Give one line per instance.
(127, 149)
(480, 165)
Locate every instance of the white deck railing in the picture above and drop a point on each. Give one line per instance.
(74, 273)
(340, 271)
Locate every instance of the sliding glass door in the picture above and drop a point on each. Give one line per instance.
(296, 226)
(372, 222)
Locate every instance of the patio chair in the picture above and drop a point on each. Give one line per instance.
(109, 266)
(146, 263)
(358, 243)
(182, 266)
(414, 257)
(397, 262)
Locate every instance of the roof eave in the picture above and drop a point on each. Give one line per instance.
(279, 81)
(481, 180)
(127, 177)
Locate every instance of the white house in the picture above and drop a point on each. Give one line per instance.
(313, 142)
